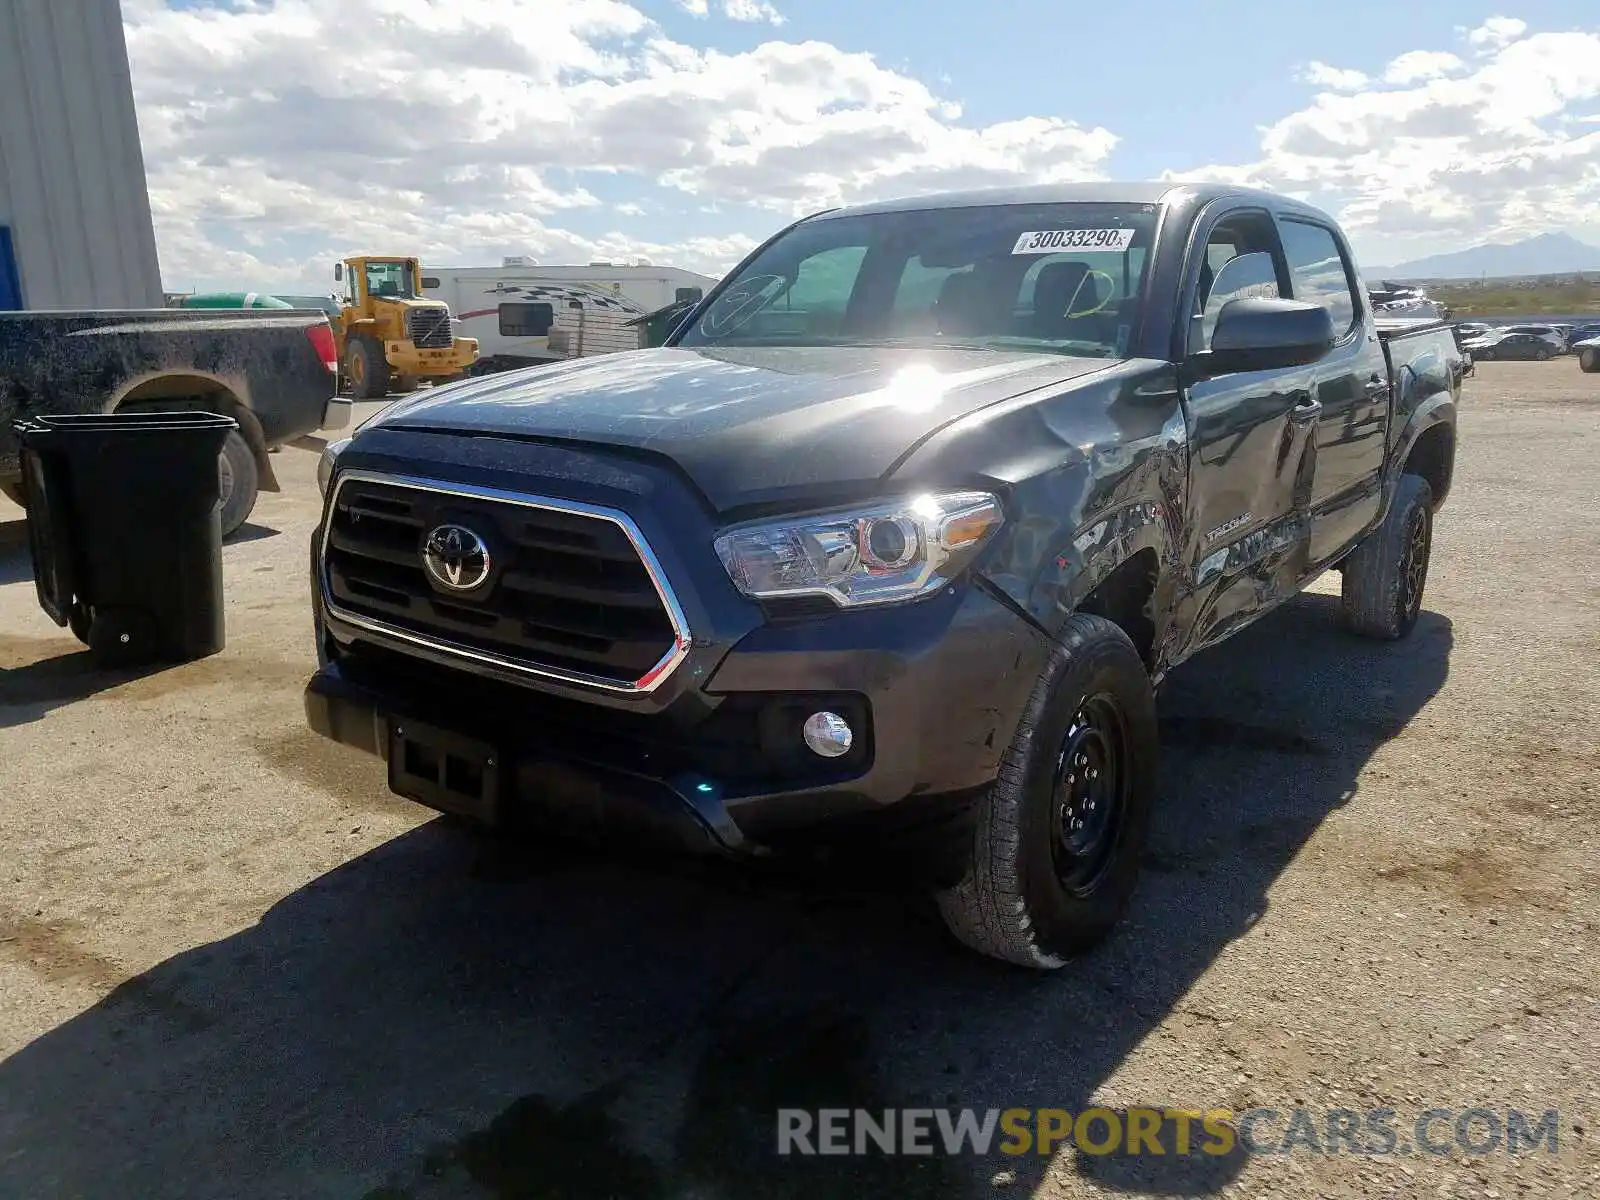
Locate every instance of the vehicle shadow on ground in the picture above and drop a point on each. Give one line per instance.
(439, 1019)
(250, 532)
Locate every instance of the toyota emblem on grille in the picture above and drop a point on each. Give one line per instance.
(456, 557)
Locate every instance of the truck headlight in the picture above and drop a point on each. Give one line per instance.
(330, 455)
(874, 554)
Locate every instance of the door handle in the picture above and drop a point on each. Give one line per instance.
(1377, 386)
(1306, 407)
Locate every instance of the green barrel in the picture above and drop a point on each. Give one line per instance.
(232, 300)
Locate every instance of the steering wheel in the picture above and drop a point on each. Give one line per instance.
(734, 308)
(1111, 290)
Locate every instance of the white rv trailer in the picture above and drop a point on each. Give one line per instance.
(523, 313)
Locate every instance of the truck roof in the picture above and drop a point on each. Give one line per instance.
(1100, 192)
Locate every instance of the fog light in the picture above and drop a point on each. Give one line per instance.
(828, 734)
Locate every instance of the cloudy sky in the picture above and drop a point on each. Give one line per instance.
(281, 134)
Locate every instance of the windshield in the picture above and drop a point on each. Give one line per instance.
(392, 279)
(1057, 277)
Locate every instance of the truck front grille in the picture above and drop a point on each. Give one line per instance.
(429, 328)
(572, 591)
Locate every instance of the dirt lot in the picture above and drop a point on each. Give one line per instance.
(232, 966)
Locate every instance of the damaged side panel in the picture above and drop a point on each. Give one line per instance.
(1096, 476)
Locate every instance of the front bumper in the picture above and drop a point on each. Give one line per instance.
(713, 756)
(405, 358)
(932, 690)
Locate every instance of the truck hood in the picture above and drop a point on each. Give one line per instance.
(748, 426)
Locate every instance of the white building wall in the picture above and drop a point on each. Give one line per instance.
(72, 183)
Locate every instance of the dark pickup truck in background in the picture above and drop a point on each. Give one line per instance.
(273, 371)
(892, 542)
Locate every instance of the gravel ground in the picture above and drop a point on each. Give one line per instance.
(231, 965)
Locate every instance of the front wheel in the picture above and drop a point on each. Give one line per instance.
(1589, 360)
(1057, 837)
(1384, 576)
(367, 369)
(1541, 354)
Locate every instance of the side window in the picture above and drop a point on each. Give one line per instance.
(1243, 258)
(1321, 275)
(526, 320)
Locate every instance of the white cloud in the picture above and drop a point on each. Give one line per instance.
(1337, 78)
(1417, 65)
(465, 132)
(697, 8)
(1493, 152)
(1497, 32)
(751, 10)
(577, 129)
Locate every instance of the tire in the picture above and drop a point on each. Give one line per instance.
(367, 369)
(1093, 704)
(1385, 575)
(240, 481)
(1483, 355)
(405, 384)
(1589, 360)
(1541, 355)
(13, 491)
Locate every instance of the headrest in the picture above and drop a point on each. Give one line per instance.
(958, 300)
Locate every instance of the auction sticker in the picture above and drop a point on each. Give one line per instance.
(1049, 241)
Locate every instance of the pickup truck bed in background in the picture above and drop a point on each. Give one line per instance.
(270, 370)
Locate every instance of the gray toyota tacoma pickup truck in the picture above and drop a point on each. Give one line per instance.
(273, 371)
(891, 542)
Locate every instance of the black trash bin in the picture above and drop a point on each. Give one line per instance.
(125, 530)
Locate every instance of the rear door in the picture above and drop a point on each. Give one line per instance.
(1350, 389)
(1250, 438)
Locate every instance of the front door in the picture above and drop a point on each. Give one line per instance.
(1251, 448)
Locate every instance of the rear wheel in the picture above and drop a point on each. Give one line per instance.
(367, 369)
(1589, 360)
(1384, 576)
(239, 481)
(1541, 354)
(1483, 355)
(406, 383)
(1057, 837)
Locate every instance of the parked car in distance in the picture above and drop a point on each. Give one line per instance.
(1511, 345)
(1550, 333)
(887, 548)
(271, 369)
(1471, 329)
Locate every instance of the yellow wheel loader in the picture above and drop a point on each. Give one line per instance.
(387, 336)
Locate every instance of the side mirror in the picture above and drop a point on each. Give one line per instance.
(338, 272)
(1265, 334)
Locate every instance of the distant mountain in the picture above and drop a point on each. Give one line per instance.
(1546, 254)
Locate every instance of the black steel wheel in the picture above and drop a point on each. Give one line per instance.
(1091, 793)
(1056, 838)
(1384, 576)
